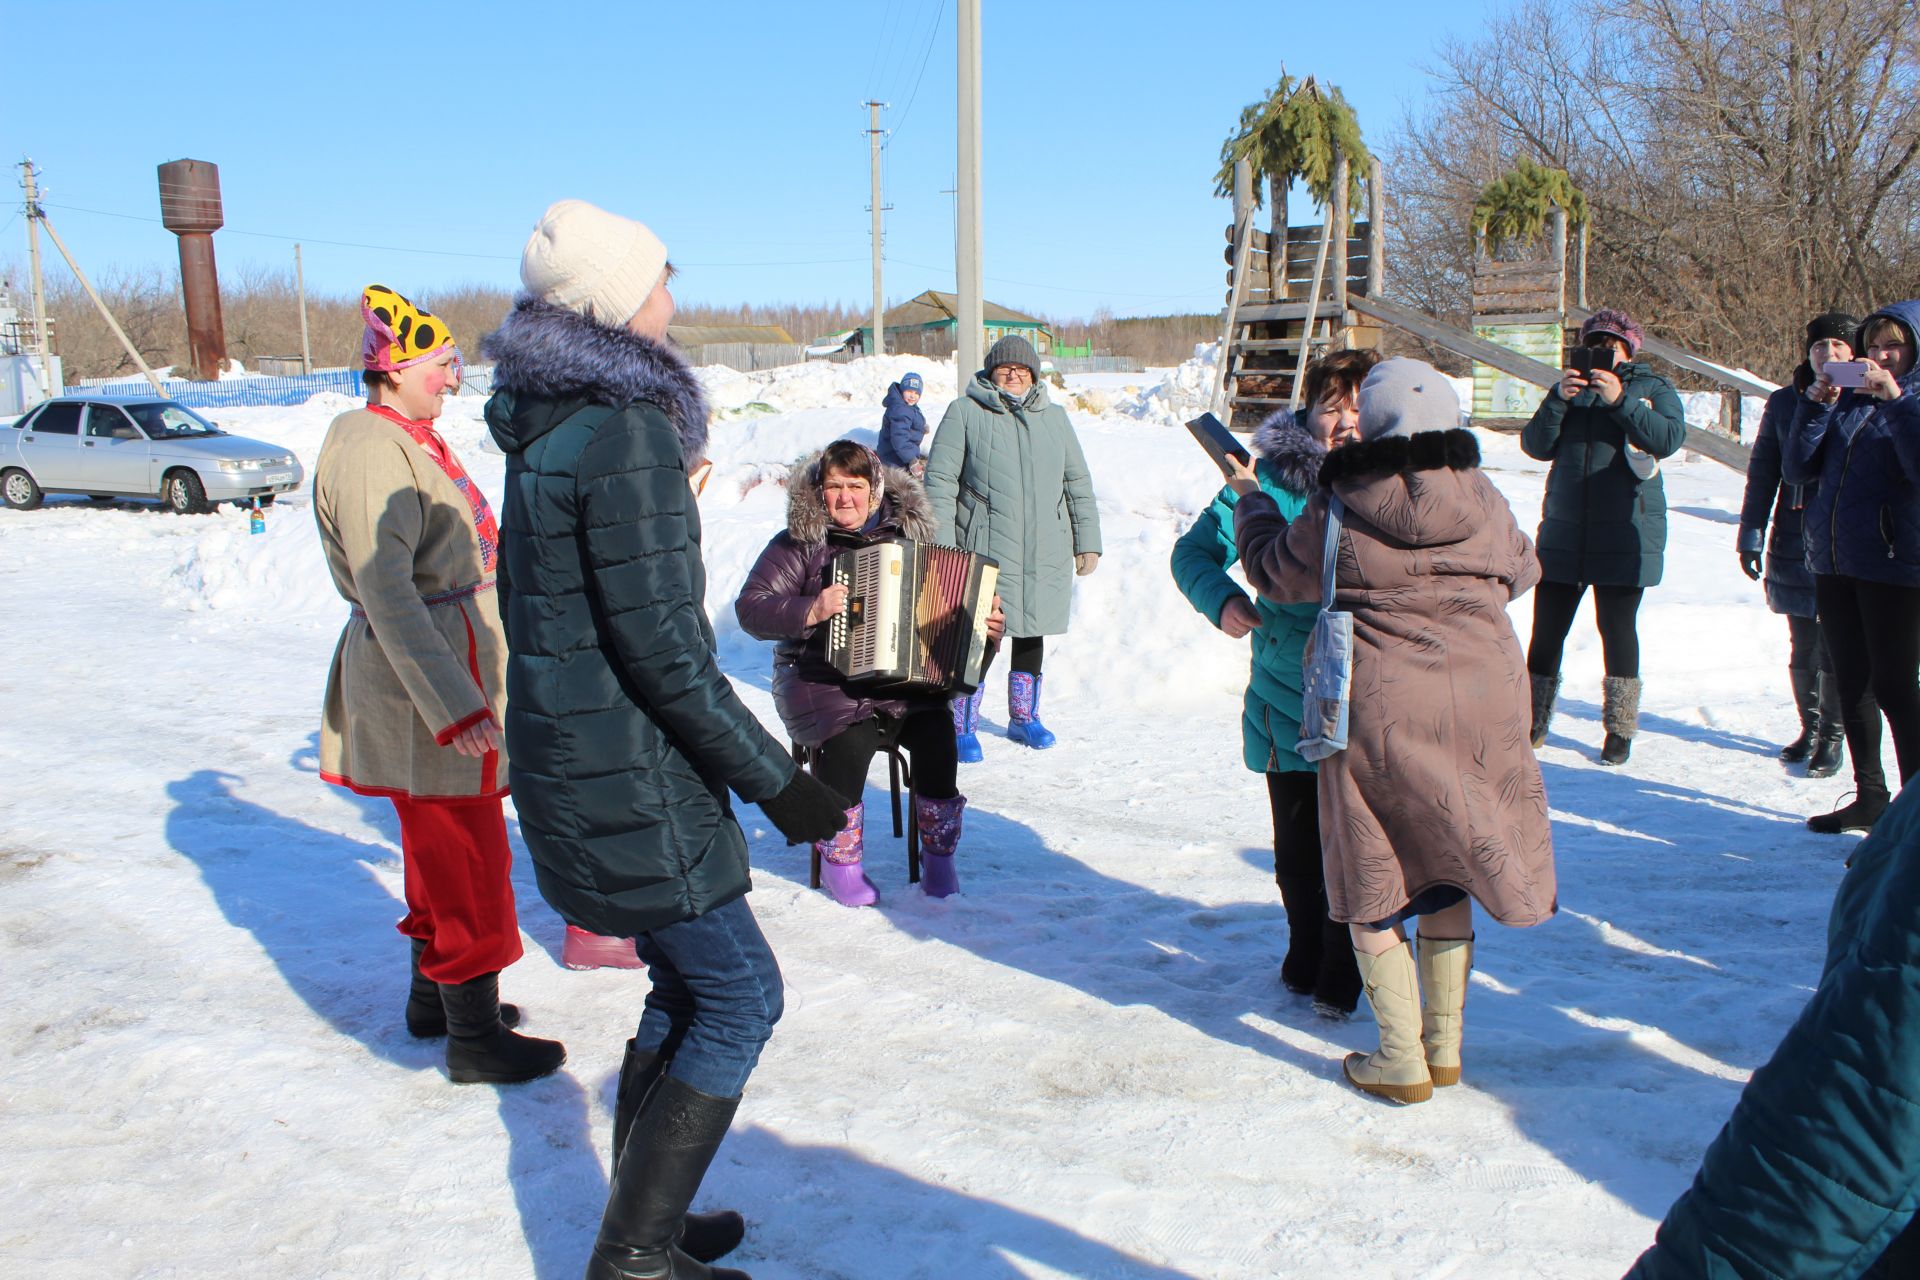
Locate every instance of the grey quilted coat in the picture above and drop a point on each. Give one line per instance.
(1009, 481)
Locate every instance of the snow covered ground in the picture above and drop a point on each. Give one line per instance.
(1083, 1066)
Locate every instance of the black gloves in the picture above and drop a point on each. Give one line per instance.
(805, 810)
(1750, 564)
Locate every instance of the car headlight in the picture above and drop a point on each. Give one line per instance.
(240, 464)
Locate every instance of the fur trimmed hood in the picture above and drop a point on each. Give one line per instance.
(903, 504)
(545, 352)
(1284, 441)
(1454, 450)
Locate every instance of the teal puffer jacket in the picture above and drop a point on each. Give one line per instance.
(1288, 466)
(1819, 1166)
(1009, 481)
(1600, 523)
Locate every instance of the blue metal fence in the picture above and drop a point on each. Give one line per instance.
(233, 393)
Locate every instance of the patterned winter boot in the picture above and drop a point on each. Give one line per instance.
(966, 726)
(840, 869)
(1545, 690)
(1620, 713)
(939, 837)
(1398, 1070)
(1023, 711)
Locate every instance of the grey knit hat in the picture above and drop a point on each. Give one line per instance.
(1012, 350)
(1402, 397)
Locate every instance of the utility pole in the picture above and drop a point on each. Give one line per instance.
(879, 300)
(42, 366)
(300, 290)
(968, 280)
(126, 343)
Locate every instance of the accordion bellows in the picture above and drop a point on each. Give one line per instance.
(916, 616)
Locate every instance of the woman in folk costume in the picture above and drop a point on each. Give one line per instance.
(1436, 802)
(416, 694)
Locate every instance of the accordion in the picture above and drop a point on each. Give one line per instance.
(916, 616)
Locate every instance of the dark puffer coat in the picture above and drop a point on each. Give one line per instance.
(814, 699)
(1789, 581)
(1818, 1168)
(1601, 524)
(1864, 452)
(901, 430)
(625, 734)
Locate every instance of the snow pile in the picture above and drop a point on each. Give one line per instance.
(823, 384)
(1703, 411)
(1184, 393)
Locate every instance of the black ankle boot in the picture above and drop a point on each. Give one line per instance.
(704, 1236)
(1829, 752)
(1869, 803)
(672, 1141)
(1806, 699)
(426, 1016)
(482, 1051)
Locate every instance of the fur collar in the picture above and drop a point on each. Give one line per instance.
(903, 504)
(550, 353)
(1455, 450)
(1284, 442)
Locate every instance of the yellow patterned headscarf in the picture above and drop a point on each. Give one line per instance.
(398, 333)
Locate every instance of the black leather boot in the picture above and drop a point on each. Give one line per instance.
(705, 1236)
(1829, 751)
(669, 1146)
(1806, 699)
(1869, 802)
(426, 1015)
(482, 1051)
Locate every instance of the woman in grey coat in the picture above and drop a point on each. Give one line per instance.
(1007, 479)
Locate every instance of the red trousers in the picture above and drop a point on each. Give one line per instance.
(459, 892)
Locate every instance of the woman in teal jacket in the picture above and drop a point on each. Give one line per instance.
(1288, 448)
(1006, 479)
(1817, 1172)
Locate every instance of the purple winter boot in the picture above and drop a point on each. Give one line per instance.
(966, 726)
(1023, 711)
(939, 822)
(840, 864)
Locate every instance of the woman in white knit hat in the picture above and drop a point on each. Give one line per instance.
(625, 735)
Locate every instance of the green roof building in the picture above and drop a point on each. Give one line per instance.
(926, 326)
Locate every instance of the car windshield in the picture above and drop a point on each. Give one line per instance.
(171, 421)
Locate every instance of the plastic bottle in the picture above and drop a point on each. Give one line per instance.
(256, 519)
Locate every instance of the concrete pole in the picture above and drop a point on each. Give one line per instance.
(969, 281)
(43, 366)
(879, 299)
(300, 290)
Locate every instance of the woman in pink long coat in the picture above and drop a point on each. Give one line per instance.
(1437, 802)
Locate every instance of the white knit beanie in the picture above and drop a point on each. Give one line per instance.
(588, 260)
(1401, 397)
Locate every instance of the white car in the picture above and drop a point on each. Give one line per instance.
(148, 448)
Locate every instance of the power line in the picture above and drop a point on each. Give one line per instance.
(932, 34)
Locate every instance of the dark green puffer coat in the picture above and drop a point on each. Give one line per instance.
(625, 735)
(1601, 524)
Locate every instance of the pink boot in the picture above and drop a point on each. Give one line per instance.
(939, 836)
(840, 869)
(583, 950)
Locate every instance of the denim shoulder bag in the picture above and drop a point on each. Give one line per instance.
(1327, 669)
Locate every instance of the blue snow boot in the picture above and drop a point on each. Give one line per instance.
(966, 726)
(1023, 712)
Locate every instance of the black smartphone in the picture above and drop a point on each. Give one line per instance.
(1584, 360)
(1219, 442)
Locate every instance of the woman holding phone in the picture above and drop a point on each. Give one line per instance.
(1861, 444)
(1604, 521)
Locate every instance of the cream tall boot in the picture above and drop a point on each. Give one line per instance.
(1444, 965)
(1398, 1070)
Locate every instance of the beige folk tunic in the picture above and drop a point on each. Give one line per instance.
(1438, 784)
(423, 655)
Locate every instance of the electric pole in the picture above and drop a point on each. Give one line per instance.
(879, 300)
(300, 289)
(30, 180)
(968, 280)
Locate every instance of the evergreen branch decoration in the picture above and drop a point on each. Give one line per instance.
(1296, 132)
(1514, 208)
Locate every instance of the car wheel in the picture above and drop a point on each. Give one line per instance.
(18, 490)
(183, 494)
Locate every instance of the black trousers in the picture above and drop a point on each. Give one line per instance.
(1616, 608)
(1026, 654)
(1319, 950)
(1809, 649)
(1872, 630)
(841, 762)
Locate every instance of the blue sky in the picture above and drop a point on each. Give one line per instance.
(424, 142)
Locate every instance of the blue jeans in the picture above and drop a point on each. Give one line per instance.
(716, 995)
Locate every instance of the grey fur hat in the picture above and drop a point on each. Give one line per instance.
(1012, 350)
(1403, 397)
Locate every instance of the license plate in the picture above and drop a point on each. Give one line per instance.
(279, 477)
